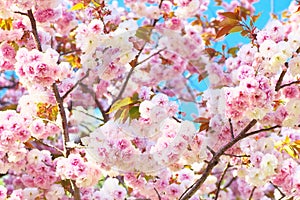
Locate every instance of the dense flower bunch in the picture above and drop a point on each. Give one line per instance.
(93, 95)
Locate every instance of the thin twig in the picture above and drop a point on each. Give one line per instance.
(237, 156)
(190, 91)
(97, 118)
(134, 62)
(229, 183)
(34, 30)
(76, 84)
(262, 130)
(215, 159)
(59, 100)
(124, 86)
(288, 84)
(189, 192)
(221, 179)
(231, 128)
(154, 54)
(68, 52)
(48, 145)
(277, 188)
(211, 150)
(159, 197)
(252, 192)
(98, 104)
(279, 82)
(21, 13)
(9, 86)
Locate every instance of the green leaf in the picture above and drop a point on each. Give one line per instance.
(233, 51)
(134, 112)
(120, 103)
(124, 115)
(144, 33)
(78, 6)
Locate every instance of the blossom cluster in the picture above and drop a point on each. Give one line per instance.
(95, 93)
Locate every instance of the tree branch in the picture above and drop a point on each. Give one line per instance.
(288, 84)
(65, 135)
(159, 197)
(277, 188)
(154, 54)
(214, 161)
(221, 179)
(231, 128)
(34, 30)
(252, 192)
(76, 84)
(103, 112)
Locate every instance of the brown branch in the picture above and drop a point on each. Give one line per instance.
(59, 100)
(34, 30)
(252, 192)
(277, 188)
(262, 130)
(237, 156)
(9, 86)
(69, 52)
(231, 128)
(98, 104)
(221, 179)
(154, 54)
(288, 84)
(159, 197)
(229, 183)
(21, 13)
(39, 142)
(135, 62)
(211, 150)
(76, 84)
(214, 161)
(124, 85)
(279, 82)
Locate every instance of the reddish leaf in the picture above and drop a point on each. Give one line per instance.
(202, 76)
(255, 17)
(236, 29)
(224, 31)
(204, 126)
(230, 15)
(201, 120)
(211, 52)
(228, 22)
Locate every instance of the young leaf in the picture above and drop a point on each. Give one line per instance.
(144, 33)
(211, 52)
(255, 17)
(233, 51)
(201, 120)
(236, 29)
(224, 31)
(120, 103)
(230, 15)
(134, 112)
(78, 6)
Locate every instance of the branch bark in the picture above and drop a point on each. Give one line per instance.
(215, 159)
